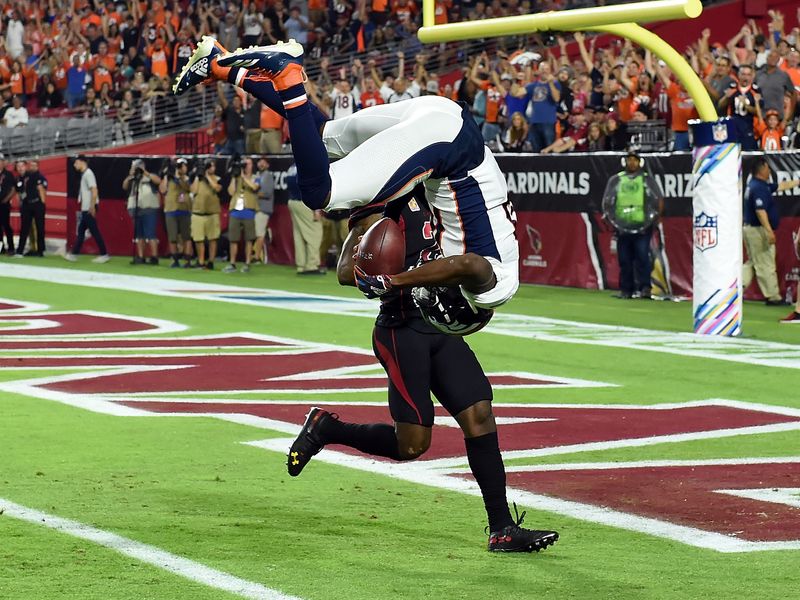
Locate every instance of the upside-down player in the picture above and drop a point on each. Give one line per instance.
(419, 359)
(384, 152)
(475, 220)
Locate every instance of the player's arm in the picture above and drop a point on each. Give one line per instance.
(471, 271)
(345, 264)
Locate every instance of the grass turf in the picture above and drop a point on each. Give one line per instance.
(190, 487)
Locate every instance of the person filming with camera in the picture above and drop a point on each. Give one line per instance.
(143, 204)
(243, 190)
(175, 187)
(205, 213)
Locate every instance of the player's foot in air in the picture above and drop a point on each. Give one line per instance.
(199, 68)
(281, 63)
(514, 538)
(308, 442)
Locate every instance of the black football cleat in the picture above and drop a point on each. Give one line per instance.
(308, 442)
(514, 538)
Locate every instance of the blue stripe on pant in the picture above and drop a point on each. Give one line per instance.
(475, 223)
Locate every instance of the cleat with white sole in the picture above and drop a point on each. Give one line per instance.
(198, 69)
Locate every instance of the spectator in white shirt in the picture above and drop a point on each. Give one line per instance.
(17, 115)
(402, 90)
(15, 31)
(344, 100)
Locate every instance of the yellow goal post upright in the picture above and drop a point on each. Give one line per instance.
(717, 213)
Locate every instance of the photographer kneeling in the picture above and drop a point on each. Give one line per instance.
(205, 213)
(243, 190)
(178, 212)
(143, 205)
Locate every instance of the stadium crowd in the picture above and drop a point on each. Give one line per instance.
(538, 93)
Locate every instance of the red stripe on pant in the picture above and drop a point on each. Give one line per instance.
(393, 370)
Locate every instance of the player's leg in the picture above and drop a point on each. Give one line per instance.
(399, 156)
(460, 385)
(342, 136)
(402, 352)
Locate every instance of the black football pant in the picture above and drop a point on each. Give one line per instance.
(32, 213)
(90, 223)
(5, 226)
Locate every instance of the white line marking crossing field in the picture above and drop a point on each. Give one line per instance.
(145, 553)
(748, 351)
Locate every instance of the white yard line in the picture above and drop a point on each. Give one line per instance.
(412, 472)
(178, 565)
(741, 350)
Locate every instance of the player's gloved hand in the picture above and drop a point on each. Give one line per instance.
(372, 286)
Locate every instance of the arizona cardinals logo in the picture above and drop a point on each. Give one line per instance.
(534, 239)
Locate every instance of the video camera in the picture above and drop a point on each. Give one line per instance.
(138, 168)
(198, 168)
(235, 166)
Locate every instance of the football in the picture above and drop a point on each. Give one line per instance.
(382, 250)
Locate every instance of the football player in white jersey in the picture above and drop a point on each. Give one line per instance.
(384, 151)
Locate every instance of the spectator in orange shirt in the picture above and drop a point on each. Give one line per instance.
(30, 79)
(379, 13)
(370, 96)
(271, 131)
(58, 72)
(113, 39)
(88, 18)
(771, 132)
(16, 80)
(404, 10)
(626, 88)
(683, 109)
(440, 11)
(792, 67)
(489, 84)
(158, 53)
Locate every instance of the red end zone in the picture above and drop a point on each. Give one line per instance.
(686, 495)
(566, 426)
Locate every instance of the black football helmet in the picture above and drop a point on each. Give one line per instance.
(448, 310)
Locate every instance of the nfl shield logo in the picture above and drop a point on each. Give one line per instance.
(720, 132)
(705, 232)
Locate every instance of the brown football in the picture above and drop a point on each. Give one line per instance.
(382, 250)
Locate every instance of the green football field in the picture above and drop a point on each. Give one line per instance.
(146, 412)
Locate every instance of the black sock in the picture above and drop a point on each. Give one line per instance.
(483, 453)
(378, 439)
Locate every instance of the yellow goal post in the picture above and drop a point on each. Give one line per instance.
(621, 20)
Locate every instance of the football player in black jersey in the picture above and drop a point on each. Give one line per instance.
(420, 359)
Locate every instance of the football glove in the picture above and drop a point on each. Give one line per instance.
(372, 286)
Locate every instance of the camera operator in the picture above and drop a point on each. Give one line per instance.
(178, 212)
(143, 204)
(205, 213)
(266, 206)
(243, 190)
(32, 192)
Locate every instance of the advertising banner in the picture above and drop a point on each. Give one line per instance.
(562, 235)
